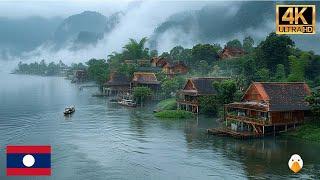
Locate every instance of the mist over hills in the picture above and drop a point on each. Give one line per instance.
(212, 23)
(93, 34)
(20, 35)
(77, 31)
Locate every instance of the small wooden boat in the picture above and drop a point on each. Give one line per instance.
(69, 110)
(127, 102)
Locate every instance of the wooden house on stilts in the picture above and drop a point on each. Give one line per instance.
(195, 88)
(268, 108)
(118, 85)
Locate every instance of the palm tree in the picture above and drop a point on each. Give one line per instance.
(136, 50)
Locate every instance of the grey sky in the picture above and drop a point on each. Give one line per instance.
(51, 8)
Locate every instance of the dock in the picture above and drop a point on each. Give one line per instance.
(100, 95)
(235, 134)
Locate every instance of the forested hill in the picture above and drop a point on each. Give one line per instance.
(214, 24)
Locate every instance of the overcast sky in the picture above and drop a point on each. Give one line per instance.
(51, 8)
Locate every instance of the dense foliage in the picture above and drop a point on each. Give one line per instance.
(314, 101)
(141, 94)
(274, 59)
(174, 114)
(41, 68)
(226, 92)
(98, 70)
(167, 104)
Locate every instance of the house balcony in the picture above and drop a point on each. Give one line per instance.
(188, 102)
(250, 120)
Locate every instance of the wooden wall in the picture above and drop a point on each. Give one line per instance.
(287, 117)
(252, 94)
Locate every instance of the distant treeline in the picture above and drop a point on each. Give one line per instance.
(43, 69)
(276, 58)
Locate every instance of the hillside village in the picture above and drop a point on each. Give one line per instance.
(255, 90)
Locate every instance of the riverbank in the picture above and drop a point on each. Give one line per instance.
(174, 114)
(167, 104)
(309, 131)
(168, 109)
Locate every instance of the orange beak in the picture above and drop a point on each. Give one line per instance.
(295, 167)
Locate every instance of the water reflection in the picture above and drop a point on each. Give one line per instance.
(102, 140)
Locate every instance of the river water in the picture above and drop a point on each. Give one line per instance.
(102, 140)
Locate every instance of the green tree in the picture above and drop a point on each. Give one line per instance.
(280, 75)
(79, 66)
(52, 69)
(176, 53)
(248, 43)
(203, 67)
(312, 71)
(248, 68)
(234, 44)
(263, 74)
(166, 55)
(98, 70)
(42, 67)
(206, 52)
(169, 86)
(226, 91)
(136, 50)
(274, 50)
(314, 102)
(209, 104)
(141, 94)
(126, 69)
(298, 67)
(153, 53)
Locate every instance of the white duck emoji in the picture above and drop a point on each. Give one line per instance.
(295, 163)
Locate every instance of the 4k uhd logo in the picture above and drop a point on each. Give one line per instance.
(296, 19)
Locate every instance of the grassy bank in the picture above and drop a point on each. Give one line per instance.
(309, 131)
(167, 104)
(174, 114)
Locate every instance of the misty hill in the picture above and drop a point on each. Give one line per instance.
(211, 23)
(18, 35)
(88, 21)
(26, 34)
(84, 29)
(214, 24)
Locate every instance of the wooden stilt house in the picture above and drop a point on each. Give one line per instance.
(117, 85)
(195, 88)
(268, 108)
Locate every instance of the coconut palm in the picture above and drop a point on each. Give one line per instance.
(136, 50)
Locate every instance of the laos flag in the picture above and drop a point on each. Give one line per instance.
(28, 160)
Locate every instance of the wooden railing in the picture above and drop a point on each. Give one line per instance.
(252, 120)
(192, 102)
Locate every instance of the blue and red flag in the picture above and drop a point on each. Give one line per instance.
(28, 160)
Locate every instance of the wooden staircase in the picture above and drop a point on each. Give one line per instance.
(257, 129)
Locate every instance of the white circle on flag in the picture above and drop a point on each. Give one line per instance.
(28, 160)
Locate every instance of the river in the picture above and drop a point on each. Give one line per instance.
(102, 140)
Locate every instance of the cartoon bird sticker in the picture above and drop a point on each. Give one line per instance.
(295, 163)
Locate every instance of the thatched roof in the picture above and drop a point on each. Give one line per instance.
(118, 80)
(284, 95)
(276, 96)
(201, 85)
(145, 78)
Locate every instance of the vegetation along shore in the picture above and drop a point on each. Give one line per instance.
(252, 87)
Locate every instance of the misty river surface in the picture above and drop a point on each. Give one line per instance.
(102, 140)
